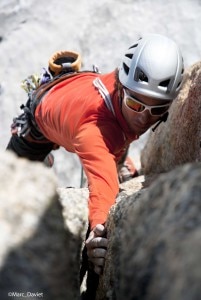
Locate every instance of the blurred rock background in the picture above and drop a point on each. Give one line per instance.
(154, 232)
(178, 140)
(42, 230)
(30, 31)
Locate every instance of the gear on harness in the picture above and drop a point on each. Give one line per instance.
(27, 139)
(24, 125)
(62, 64)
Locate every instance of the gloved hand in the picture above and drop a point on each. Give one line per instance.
(97, 247)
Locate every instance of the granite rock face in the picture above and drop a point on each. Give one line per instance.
(155, 239)
(178, 140)
(154, 232)
(40, 246)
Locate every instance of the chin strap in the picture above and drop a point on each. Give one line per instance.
(162, 119)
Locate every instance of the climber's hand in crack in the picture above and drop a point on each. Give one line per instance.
(97, 247)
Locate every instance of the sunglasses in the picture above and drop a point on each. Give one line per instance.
(139, 107)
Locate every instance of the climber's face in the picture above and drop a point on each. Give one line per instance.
(141, 112)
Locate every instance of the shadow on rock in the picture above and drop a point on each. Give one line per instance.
(46, 264)
(155, 241)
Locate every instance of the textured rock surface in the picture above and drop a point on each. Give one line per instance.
(154, 233)
(75, 209)
(109, 282)
(36, 253)
(155, 241)
(177, 141)
(75, 213)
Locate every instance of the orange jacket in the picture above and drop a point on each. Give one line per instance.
(74, 115)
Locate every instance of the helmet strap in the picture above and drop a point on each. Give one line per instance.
(162, 119)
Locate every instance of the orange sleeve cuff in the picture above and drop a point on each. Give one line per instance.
(99, 208)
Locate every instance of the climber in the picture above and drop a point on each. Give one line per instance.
(97, 116)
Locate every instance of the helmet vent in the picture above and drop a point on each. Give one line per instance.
(182, 72)
(126, 68)
(129, 55)
(140, 76)
(133, 46)
(178, 85)
(164, 83)
(143, 77)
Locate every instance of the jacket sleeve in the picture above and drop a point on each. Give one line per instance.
(96, 147)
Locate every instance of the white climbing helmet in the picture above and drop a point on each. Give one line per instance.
(153, 66)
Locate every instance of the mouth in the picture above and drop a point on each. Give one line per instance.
(141, 126)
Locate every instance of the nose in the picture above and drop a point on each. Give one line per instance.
(145, 117)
